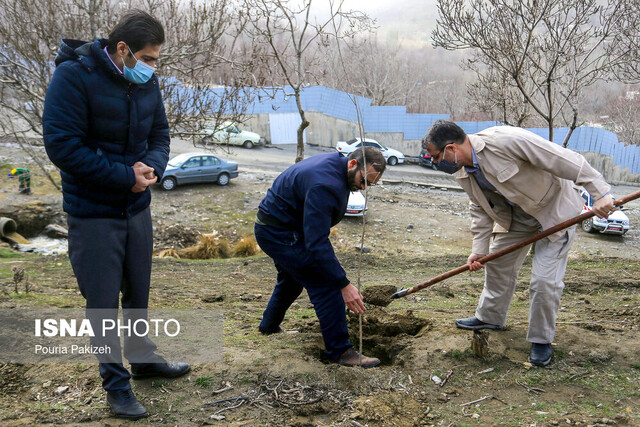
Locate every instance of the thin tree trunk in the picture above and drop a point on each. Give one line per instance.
(303, 125)
(571, 128)
(300, 150)
(92, 19)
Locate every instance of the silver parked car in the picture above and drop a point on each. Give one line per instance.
(191, 168)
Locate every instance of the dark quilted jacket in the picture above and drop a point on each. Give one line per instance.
(96, 126)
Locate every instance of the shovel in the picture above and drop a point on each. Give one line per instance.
(617, 203)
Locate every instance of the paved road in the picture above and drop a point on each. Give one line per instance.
(279, 157)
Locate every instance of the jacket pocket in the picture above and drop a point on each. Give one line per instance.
(552, 192)
(507, 172)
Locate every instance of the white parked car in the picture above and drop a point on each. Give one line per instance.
(229, 133)
(617, 223)
(347, 147)
(356, 204)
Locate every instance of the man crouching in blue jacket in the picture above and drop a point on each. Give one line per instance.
(292, 227)
(106, 129)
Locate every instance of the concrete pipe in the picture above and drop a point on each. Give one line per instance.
(8, 231)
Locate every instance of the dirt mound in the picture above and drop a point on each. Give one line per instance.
(176, 236)
(379, 295)
(395, 409)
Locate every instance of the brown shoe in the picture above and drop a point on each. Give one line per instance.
(352, 358)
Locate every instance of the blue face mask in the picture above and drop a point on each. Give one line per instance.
(139, 74)
(447, 166)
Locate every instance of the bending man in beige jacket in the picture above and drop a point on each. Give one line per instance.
(518, 184)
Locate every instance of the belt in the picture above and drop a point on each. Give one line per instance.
(264, 219)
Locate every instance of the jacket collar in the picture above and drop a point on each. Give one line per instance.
(478, 144)
(102, 59)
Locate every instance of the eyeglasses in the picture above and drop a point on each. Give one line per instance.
(363, 180)
(434, 157)
(437, 158)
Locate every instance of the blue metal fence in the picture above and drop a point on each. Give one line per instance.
(341, 105)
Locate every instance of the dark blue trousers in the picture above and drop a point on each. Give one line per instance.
(296, 271)
(112, 257)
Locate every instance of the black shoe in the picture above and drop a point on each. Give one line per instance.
(540, 354)
(270, 331)
(125, 405)
(169, 369)
(474, 324)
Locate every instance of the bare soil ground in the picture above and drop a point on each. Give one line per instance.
(413, 234)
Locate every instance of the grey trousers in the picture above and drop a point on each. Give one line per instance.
(545, 288)
(111, 259)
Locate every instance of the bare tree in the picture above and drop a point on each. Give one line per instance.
(200, 37)
(31, 30)
(376, 71)
(549, 50)
(294, 39)
(627, 43)
(492, 93)
(624, 116)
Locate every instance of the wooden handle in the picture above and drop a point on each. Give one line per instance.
(568, 223)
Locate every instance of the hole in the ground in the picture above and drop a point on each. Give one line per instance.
(377, 321)
(385, 334)
(384, 348)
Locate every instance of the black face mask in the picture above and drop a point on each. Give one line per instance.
(447, 166)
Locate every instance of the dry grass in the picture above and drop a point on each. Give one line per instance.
(209, 246)
(168, 253)
(214, 246)
(247, 246)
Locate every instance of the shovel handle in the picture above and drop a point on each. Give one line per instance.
(568, 223)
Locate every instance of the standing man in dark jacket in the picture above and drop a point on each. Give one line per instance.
(105, 128)
(292, 227)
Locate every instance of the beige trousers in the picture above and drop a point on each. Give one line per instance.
(545, 288)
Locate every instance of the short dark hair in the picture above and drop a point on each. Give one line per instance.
(372, 156)
(442, 133)
(137, 29)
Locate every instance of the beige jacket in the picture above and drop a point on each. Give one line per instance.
(531, 172)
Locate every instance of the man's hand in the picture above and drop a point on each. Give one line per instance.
(473, 263)
(142, 182)
(603, 207)
(148, 175)
(353, 299)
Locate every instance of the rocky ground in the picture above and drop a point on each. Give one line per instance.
(429, 374)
